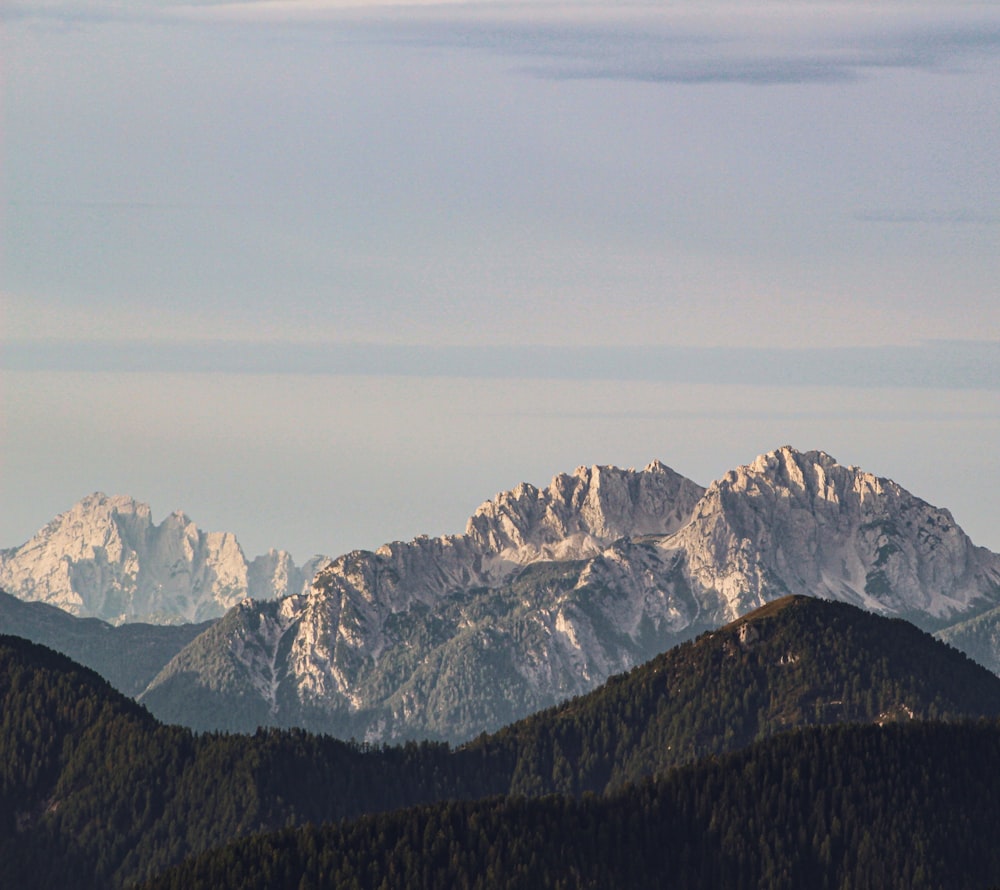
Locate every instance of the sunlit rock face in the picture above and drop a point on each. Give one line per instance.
(104, 558)
(794, 522)
(550, 591)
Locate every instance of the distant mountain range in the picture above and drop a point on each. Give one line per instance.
(94, 793)
(550, 591)
(104, 558)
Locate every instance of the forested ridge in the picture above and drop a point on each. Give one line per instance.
(127, 655)
(792, 663)
(96, 793)
(907, 806)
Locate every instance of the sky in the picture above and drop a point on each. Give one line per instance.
(327, 275)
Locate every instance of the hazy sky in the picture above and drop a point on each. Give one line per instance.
(326, 275)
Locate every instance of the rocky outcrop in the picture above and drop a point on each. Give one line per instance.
(801, 523)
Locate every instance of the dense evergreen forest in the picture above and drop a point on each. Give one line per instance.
(907, 806)
(794, 662)
(95, 793)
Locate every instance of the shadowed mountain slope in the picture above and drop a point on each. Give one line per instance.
(979, 637)
(128, 656)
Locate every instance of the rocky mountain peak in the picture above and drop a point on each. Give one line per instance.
(813, 479)
(590, 508)
(815, 472)
(800, 522)
(105, 558)
(552, 589)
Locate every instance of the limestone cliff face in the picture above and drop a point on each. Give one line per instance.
(105, 558)
(801, 523)
(573, 520)
(551, 590)
(579, 515)
(542, 597)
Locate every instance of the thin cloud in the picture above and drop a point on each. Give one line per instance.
(680, 44)
(748, 71)
(739, 53)
(930, 217)
(947, 365)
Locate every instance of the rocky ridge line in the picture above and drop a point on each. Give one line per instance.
(551, 590)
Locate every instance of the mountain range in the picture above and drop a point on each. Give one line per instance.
(550, 591)
(547, 593)
(94, 792)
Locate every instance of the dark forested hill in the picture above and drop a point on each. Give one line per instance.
(94, 792)
(900, 807)
(794, 662)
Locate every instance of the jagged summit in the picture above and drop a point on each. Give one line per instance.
(105, 558)
(794, 522)
(576, 517)
(581, 513)
(552, 589)
(812, 473)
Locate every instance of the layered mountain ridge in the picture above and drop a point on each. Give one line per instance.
(550, 591)
(95, 793)
(105, 558)
(128, 655)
